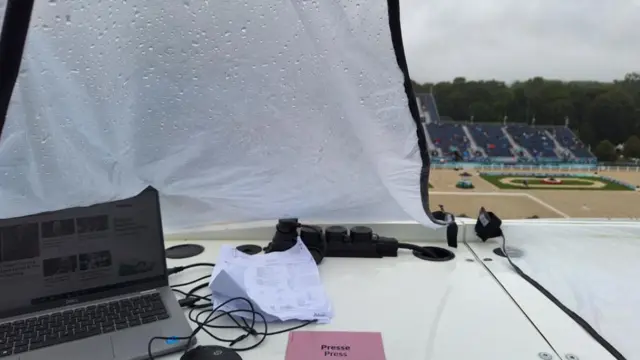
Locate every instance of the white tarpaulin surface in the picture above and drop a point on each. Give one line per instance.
(233, 110)
(592, 269)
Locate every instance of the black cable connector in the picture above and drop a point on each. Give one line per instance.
(420, 249)
(387, 246)
(188, 302)
(177, 269)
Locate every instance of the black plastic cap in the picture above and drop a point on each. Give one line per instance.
(311, 236)
(287, 225)
(335, 233)
(312, 233)
(361, 234)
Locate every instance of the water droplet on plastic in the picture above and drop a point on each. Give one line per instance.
(244, 29)
(195, 43)
(227, 33)
(52, 2)
(58, 18)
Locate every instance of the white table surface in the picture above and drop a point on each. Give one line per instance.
(424, 310)
(566, 336)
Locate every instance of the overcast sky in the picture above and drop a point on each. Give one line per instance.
(513, 40)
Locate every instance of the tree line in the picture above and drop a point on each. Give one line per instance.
(603, 115)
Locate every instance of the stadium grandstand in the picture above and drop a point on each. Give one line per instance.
(498, 142)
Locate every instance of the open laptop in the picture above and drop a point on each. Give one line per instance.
(87, 283)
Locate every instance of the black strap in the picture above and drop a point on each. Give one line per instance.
(12, 39)
(398, 47)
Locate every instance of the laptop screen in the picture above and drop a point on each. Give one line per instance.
(67, 256)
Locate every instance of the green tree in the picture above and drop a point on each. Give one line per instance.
(632, 147)
(605, 151)
(481, 112)
(611, 115)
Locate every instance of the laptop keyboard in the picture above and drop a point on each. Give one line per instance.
(61, 327)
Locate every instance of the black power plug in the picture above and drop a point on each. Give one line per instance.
(285, 237)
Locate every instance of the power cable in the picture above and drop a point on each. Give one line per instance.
(201, 305)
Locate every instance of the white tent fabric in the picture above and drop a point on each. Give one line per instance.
(234, 110)
(592, 269)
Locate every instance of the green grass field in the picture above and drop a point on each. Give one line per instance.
(537, 181)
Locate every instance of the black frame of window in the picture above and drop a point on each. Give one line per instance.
(17, 16)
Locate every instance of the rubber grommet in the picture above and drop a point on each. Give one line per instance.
(250, 249)
(184, 251)
(434, 253)
(513, 252)
(211, 352)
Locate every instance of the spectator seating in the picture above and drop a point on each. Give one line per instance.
(569, 140)
(491, 138)
(428, 107)
(450, 137)
(535, 140)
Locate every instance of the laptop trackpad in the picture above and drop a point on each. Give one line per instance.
(94, 348)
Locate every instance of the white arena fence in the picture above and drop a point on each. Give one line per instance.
(533, 167)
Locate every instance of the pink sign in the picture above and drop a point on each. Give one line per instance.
(324, 345)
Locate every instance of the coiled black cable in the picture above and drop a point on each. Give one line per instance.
(201, 305)
(191, 282)
(177, 269)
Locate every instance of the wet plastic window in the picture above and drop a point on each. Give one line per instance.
(234, 110)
